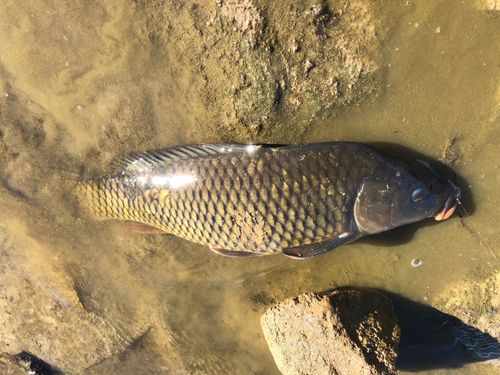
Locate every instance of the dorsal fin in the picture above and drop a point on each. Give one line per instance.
(156, 158)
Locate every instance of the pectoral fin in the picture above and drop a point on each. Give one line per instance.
(319, 248)
(234, 254)
(135, 227)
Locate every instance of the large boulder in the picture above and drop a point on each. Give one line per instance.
(349, 331)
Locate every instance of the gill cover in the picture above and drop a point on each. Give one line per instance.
(392, 201)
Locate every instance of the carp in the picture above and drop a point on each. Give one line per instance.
(250, 200)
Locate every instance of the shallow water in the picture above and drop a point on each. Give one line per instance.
(77, 97)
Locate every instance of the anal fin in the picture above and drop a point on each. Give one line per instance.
(234, 254)
(319, 248)
(135, 227)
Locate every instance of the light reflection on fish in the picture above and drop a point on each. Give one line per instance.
(242, 200)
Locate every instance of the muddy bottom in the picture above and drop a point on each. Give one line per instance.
(84, 83)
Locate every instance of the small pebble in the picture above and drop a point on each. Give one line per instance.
(416, 262)
(438, 30)
(308, 66)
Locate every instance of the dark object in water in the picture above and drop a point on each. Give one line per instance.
(244, 200)
(431, 339)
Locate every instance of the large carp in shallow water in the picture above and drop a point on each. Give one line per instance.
(242, 200)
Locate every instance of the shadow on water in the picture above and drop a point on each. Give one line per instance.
(395, 237)
(400, 235)
(431, 339)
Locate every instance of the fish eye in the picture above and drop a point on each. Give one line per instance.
(418, 195)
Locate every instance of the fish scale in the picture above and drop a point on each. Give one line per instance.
(300, 200)
(262, 201)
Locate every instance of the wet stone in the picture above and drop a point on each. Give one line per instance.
(347, 331)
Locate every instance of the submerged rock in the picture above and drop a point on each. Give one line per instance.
(349, 331)
(48, 321)
(54, 317)
(265, 70)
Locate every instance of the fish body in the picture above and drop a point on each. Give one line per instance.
(244, 200)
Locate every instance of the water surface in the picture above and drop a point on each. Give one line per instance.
(82, 90)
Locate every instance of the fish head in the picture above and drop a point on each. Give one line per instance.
(403, 192)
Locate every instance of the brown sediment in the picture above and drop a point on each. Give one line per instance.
(251, 228)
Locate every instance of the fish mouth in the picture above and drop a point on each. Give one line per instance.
(450, 204)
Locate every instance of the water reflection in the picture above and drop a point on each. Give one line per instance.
(175, 181)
